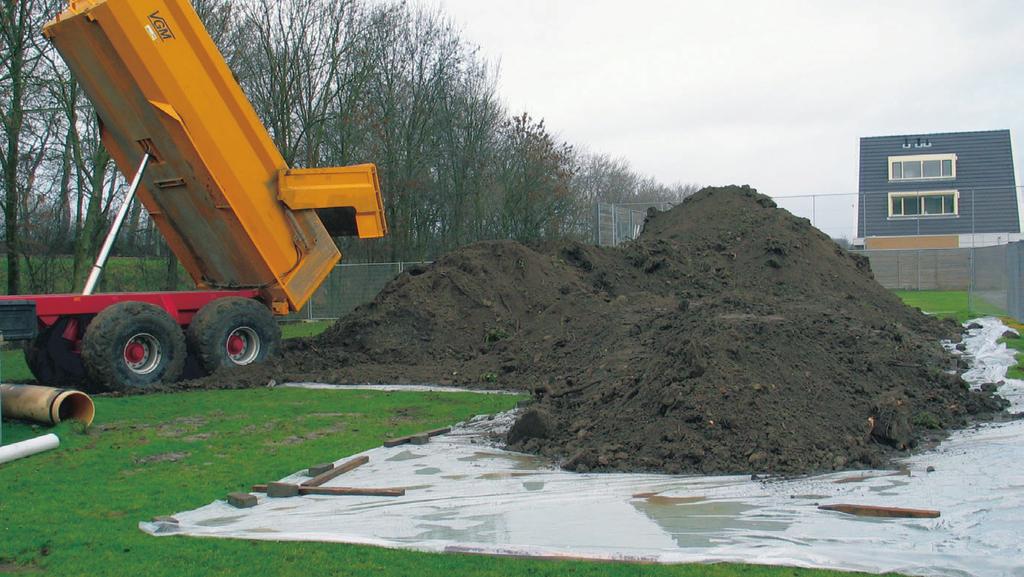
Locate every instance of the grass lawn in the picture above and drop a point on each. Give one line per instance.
(304, 329)
(953, 304)
(75, 510)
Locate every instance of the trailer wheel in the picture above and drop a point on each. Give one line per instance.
(131, 345)
(233, 332)
(52, 361)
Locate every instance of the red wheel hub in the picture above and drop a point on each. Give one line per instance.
(134, 353)
(236, 345)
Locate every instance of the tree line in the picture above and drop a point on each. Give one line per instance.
(336, 82)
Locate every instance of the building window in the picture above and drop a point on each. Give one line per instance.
(922, 167)
(917, 204)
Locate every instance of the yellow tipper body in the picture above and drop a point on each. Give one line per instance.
(220, 192)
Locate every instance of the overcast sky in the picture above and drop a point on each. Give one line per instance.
(774, 94)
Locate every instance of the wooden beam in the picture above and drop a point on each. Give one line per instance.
(341, 491)
(409, 438)
(872, 511)
(339, 470)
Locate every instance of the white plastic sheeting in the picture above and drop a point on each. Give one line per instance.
(464, 495)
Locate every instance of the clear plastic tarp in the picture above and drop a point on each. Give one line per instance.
(465, 494)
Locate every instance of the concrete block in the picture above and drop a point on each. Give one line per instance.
(319, 469)
(279, 490)
(242, 500)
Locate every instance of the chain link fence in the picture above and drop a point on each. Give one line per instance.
(834, 214)
(987, 278)
(981, 267)
(614, 224)
(349, 286)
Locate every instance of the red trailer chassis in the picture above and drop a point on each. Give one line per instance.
(122, 340)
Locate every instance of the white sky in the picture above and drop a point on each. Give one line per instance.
(774, 94)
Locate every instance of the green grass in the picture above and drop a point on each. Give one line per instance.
(952, 304)
(304, 329)
(13, 368)
(75, 510)
(1016, 372)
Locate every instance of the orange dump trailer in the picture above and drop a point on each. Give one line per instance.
(246, 226)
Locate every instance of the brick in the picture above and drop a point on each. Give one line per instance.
(319, 469)
(242, 500)
(279, 490)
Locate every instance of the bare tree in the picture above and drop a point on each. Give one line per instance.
(20, 142)
(291, 69)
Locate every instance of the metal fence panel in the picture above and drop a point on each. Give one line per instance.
(615, 224)
(1014, 286)
(991, 275)
(349, 286)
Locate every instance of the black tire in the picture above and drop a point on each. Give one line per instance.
(232, 332)
(133, 345)
(52, 361)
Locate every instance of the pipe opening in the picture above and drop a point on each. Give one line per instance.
(74, 406)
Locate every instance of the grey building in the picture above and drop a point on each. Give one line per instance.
(944, 190)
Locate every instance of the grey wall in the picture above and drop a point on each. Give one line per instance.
(985, 179)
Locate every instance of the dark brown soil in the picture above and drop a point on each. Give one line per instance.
(731, 337)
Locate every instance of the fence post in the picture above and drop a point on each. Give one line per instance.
(970, 287)
(918, 259)
(899, 270)
(615, 225)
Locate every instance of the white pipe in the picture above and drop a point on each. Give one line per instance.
(27, 448)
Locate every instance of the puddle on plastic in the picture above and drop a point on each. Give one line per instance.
(705, 524)
(405, 456)
(219, 521)
(518, 460)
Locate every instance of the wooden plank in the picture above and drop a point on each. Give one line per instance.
(397, 441)
(341, 491)
(339, 470)
(409, 438)
(352, 491)
(872, 511)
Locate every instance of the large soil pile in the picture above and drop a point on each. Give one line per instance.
(731, 337)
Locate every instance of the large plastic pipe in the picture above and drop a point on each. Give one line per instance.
(46, 405)
(29, 447)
